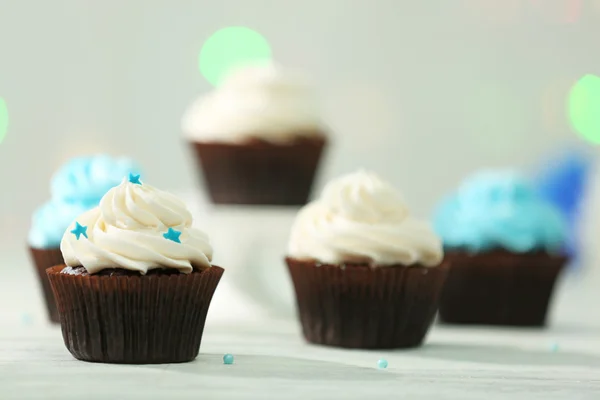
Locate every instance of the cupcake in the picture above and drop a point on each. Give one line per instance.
(366, 273)
(258, 138)
(75, 188)
(504, 244)
(137, 280)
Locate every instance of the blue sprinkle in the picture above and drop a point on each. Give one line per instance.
(26, 319)
(79, 230)
(382, 363)
(172, 235)
(228, 359)
(135, 179)
(554, 347)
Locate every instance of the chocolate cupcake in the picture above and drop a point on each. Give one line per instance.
(258, 138)
(137, 281)
(76, 187)
(504, 244)
(366, 273)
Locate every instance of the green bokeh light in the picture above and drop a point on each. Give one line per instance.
(584, 108)
(229, 48)
(3, 119)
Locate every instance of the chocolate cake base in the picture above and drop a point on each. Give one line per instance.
(364, 307)
(122, 317)
(42, 260)
(499, 288)
(258, 172)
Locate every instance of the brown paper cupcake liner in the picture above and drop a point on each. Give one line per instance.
(134, 319)
(257, 172)
(42, 260)
(499, 288)
(358, 306)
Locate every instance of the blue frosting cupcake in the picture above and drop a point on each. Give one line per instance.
(504, 243)
(499, 210)
(76, 187)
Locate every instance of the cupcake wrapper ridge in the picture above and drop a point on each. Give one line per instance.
(358, 306)
(42, 260)
(259, 173)
(499, 288)
(134, 319)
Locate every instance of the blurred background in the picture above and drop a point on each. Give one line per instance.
(422, 92)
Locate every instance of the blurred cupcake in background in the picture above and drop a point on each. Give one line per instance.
(76, 187)
(563, 180)
(589, 228)
(258, 137)
(505, 244)
(137, 280)
(366, 273)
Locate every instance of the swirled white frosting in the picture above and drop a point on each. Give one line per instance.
(126, 231)
(359, 218)
(264, 102)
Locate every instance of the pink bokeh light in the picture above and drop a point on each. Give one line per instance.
(511, 11)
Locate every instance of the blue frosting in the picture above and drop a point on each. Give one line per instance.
(89, 178)
(76, 187)
(51, 220)
(499, 209)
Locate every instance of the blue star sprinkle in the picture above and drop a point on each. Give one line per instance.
(382, 363)
(135, 179)
(228, 359)
(173, 235)
(79, 230)
(26, 319)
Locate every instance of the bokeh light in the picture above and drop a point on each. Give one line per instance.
(574, 10)
(563, 181)
(3, 119)
(584, 108)
(229, 48)
(558, 11)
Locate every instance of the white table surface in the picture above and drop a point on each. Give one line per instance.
(273, 362)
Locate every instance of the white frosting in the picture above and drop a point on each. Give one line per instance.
(359, 218)
(262, 102)
(126, 231)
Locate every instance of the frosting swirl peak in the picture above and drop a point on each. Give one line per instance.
(360, 218)
(129, 230)
(256, 102)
